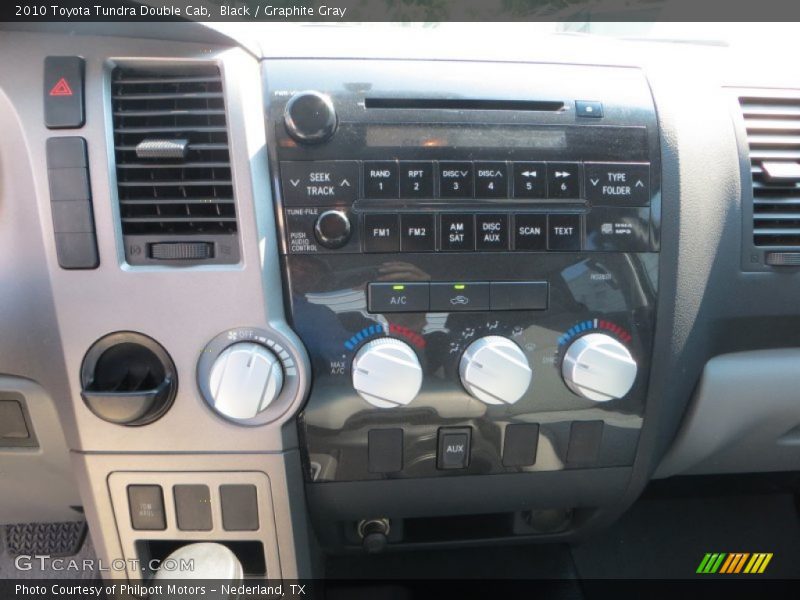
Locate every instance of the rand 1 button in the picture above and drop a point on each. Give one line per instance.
(454, 448)
(563, 180)
(456, 180)
(382, 233)
(530, 231)
(398, 297)
(380, 179)
(491, 232)
(457, 231)
(452, 297)
(417, 232)
(316, 183)
(416, 179)
(564, 232)
(491, 180)
(618, 229)
(618, 184)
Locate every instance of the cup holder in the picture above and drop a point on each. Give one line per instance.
(127, 378)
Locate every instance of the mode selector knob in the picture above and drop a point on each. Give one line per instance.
(495, 370)
(310, 117)
(598, 367)
(244, 380)
(387, 373)
(332, 229)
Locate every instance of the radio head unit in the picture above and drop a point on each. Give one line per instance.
(471, 251)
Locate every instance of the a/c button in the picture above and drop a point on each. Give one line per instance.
(398, 297)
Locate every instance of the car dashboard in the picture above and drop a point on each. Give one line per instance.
(299, 288)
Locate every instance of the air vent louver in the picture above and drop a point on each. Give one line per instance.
(173, 166)
(772, 120)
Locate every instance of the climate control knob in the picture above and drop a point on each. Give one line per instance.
(598, 367)
(310, 117)
(244, 380)
(387, 373)
(494, 370)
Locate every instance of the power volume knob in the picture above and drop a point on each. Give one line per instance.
(244, 380)
(494, 370)
(387, 373)
(599, 368)
(310, 117)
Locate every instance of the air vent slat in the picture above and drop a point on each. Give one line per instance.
(168, 196)
(772, 122)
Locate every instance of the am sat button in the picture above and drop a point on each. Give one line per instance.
(397, 297)
(618, 229)
(618, 184)
(451, 297)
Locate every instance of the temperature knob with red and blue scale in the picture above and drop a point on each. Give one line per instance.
(596, 364)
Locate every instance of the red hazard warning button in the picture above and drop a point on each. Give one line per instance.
(61, 88)
(63, 92)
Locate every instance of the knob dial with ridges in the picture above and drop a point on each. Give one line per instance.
(599, 368)
(244, 380)
(387, 373)
(495, 370)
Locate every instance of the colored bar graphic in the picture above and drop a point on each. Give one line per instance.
(734, 563)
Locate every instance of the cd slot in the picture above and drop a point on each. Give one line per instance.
(464, 104)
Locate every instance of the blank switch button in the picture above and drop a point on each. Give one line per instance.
(192, 507)
(239, 507)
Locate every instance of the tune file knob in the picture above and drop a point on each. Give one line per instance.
(494, 370)
(598, 367)
(244, 380)
(387, 373)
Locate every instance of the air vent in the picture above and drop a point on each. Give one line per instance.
(173, 165)
(772, 120)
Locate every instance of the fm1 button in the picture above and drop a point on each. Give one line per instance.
(563, 181)
(398, 297)
(454, 446)
(382, 233)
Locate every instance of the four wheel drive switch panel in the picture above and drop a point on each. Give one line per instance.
(71, 203)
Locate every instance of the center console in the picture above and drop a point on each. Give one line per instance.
(470, 253)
